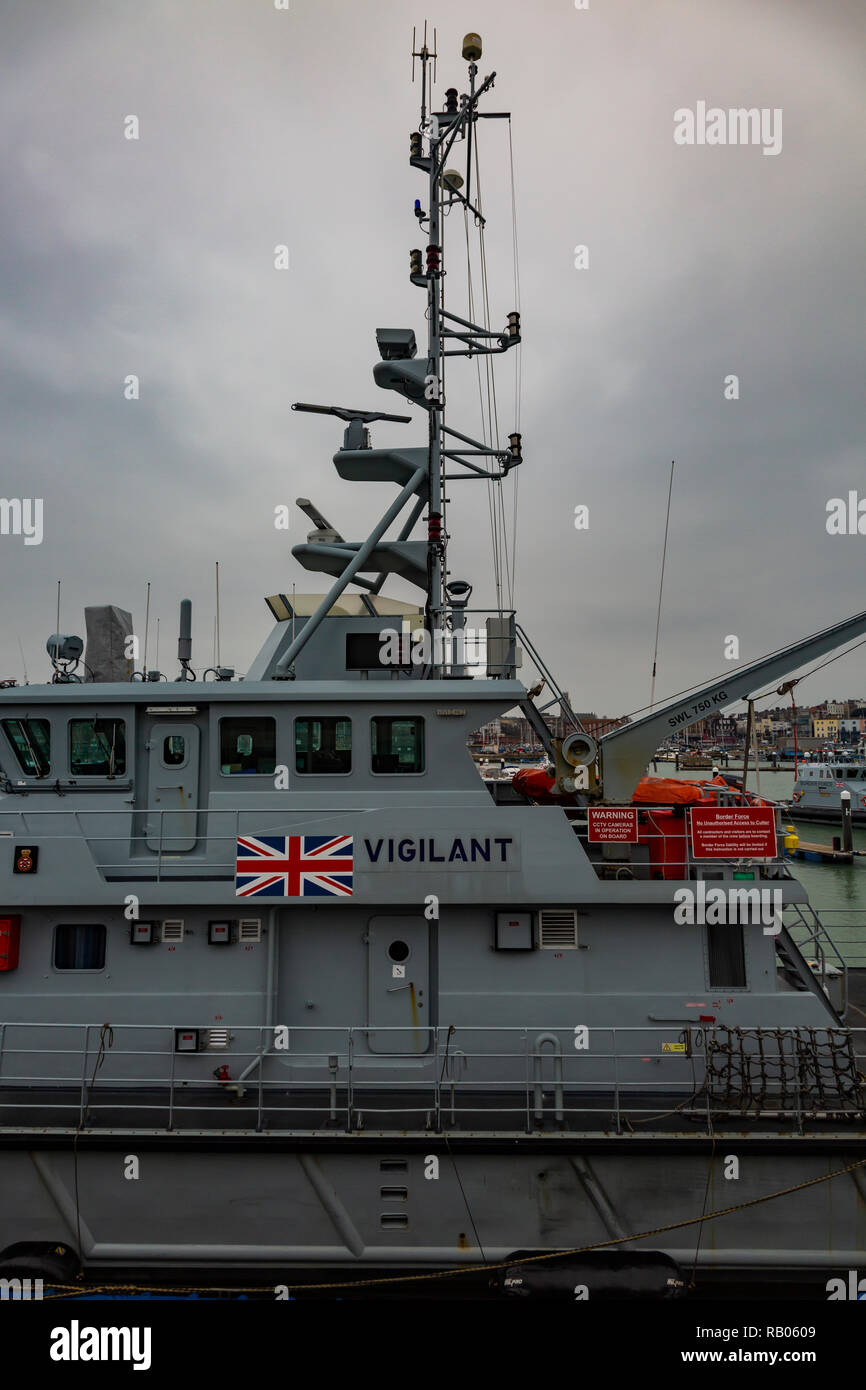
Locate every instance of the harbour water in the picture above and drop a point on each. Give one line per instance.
(836, 891)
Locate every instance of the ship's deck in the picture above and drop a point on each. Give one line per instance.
(817, 1090)
(306, 1113)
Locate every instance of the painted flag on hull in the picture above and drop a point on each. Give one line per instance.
(294, 866)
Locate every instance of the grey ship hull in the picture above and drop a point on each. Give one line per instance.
(826, 815)
(302, 1207)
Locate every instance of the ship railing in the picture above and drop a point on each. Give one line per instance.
(846, 933)
(811, 936)
(610, 1079)
(558, 695)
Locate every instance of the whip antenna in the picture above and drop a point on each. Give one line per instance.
(661, 586)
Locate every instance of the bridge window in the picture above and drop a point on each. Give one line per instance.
(97, 747)
(248, 744)
(79, 946)
(397, 743)
(323, 745)
(31, 743)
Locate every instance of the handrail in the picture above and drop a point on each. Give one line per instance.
(819, 936)
(544, 670)
(801, 1076)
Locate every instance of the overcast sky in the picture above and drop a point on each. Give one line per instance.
(259, 127)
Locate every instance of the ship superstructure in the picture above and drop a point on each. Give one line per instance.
(353, 1009)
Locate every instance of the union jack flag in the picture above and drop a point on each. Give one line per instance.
(294, 866)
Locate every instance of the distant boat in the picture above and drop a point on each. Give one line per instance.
(819, 786)
(695, 760)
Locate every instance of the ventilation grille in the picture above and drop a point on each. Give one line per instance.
(250, 929)
(557, 927)
(217, 1039)
(173, 931)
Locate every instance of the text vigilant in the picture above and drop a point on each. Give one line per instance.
(430, 849)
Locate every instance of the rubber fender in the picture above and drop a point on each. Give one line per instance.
(602, 1273)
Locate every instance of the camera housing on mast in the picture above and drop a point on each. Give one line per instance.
(396, 344)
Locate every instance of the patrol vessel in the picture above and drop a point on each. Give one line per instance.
(819, 786)
(287, 994)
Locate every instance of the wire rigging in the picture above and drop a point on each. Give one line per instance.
(518, 357)
(503, 528)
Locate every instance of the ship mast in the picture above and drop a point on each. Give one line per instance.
(436, 539)
(442, 130)
(420, 472)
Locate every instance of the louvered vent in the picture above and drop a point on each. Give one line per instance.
(250, 929)
(217, 1039)
(557, 928)
(173, 931)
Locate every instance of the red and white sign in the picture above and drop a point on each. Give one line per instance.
(612, 823)
(733, 832)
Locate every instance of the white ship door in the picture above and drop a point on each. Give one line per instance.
(398, 984)
(172, 786)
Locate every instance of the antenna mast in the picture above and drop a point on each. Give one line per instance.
(146, 626)
(661, 587)
(448, 335)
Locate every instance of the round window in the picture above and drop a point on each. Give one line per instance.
(398, 950)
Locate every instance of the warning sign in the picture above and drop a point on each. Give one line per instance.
(733, 832)
(607, 823)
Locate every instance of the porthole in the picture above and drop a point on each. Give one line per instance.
(398, 951)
